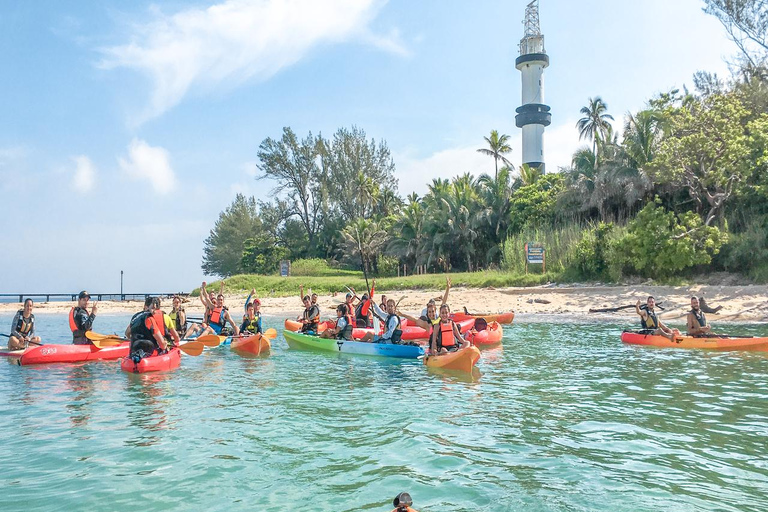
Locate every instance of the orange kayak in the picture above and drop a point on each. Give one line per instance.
(255, 344)
(714, 343)
(487, 337)
(502, 318)
(463, 360)
(294, 326)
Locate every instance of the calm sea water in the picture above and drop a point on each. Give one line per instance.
(561, 418)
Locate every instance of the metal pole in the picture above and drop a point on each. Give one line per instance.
(121, 285)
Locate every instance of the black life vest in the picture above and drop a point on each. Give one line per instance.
(25, 325)
(700, 317)
(139, 329)
(397, 333)
(651, 322)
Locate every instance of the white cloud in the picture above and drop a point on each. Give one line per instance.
(414, 174)
(85, 174)
(238, 40)
(149, 163)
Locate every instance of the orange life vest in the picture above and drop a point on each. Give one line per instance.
(157, 316)
(217, 317)
(446, 334)
(72, 325)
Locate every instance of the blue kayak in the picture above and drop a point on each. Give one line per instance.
(306, 342)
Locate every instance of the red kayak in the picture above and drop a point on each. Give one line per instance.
(47, 354)
(414, 332)
(487, 337)
(294, 326)
(156, 363)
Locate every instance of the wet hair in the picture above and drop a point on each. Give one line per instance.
(149, 301)
(403, 499)
(156, 302)
(27, 300)
(650, 297)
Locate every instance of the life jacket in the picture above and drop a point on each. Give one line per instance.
(72, 324)
(346, 332)
(251, 325)
(651, 322)
(139, 329)
(218, 317)
(176, 317)
(700, 317)
(159, 318)
(361, 311)
(309, 313)
(446, 338)
(397, 332)
(25, 325)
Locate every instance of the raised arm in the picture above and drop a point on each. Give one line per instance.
(447, 290)
(204, 297)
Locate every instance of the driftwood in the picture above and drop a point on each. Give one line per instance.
(619, 308)
(542, 301)
(703, 306)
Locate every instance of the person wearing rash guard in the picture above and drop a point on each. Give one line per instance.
(146, 336)
(446, 336)
(23, 328)
(650, 323)
(344, 325)
(403, 502)
(80, 321)
(432, 301)
(392, 331)
(252, 321)
(311, 316)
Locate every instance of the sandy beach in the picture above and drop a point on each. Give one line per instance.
(748, 303)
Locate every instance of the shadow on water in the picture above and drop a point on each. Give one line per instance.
(146, 406)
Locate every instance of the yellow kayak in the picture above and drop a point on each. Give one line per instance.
(463, 359)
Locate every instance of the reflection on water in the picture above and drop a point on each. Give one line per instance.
(561, 417)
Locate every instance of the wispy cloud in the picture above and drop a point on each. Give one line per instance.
(149, 163)
(235, 41)
(85, 174)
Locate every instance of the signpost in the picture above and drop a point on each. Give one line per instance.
(285, 268)
(535, 253)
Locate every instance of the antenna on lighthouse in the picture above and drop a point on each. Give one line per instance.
(533, 115)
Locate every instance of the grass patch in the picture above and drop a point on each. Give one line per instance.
(286, 286)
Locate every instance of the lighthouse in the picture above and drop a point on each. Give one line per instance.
(533, 115)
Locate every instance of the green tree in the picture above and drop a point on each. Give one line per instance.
(533, 206)
(223, 249)
(365, 239)
(594, 125)
(262, 255)
(498, 146)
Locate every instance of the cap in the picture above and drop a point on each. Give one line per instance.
(402, 499)
(83, 294)
(256, 302)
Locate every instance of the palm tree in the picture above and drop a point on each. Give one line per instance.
(594, 125)
(498, 148)
(528, 174)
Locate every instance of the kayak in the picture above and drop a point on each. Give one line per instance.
(306, 342)
(463, 359)
(53, 353)
(487, 337)
(156, 363)
(254, 344)
(414, 332)
(711, 343)
(294, 326)
(502, 318)
(12, 353)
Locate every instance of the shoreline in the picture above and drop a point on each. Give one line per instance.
(745, 304)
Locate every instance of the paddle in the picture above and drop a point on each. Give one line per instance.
(209, 340)
(619, 308)
(270, 333)
(192, 348)
(30, 342)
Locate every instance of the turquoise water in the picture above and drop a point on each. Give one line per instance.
(561, 418)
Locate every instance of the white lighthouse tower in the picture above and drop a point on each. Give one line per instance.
(533, 115)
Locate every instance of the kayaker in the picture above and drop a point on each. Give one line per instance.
(403, 502)
(145, 335)
(178, 316)
(446, 336)
(427, 322)
(697, 322)
(218, 317)
(80, 321)
(251, 295)
(363, 312)
(432, 301)
(252, 322)
(651, 323)
(311, 316)
(392, 331)
(162, 319)
(312, 296)
(208, 299)
(344, 325)
(23, 328)
(383, 303)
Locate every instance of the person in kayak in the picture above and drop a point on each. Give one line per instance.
(252, 322)
(402, 503)
(23, 328)
(311, 316)
(392, 331)
(363, 312)
(446, 336)
(80, 321)
(432, 302)
(425, 322)
(651, 323)
(146, 336)
(697, 322)
(164, 321)
(218, 317)
(344, 325)
(178, 316)
(208, 299)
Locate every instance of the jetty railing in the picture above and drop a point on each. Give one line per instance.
(97, 296)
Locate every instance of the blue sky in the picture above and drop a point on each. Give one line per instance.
(127, 126)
